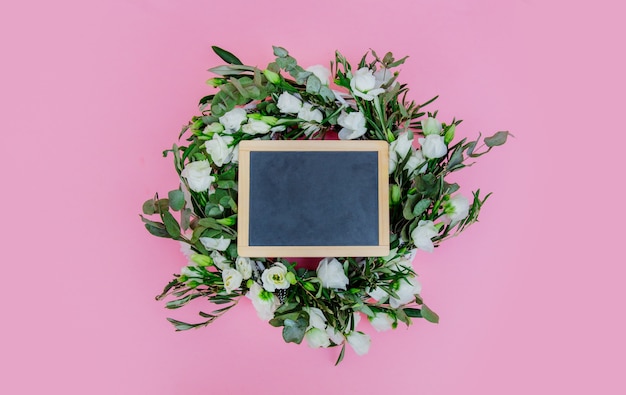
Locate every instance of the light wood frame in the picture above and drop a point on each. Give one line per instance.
(243, 216)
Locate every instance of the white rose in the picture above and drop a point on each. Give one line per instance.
(275, 277)
(219, 150)
(398, 150)
(335, 336)
(353, 125)
(244, 267)
(381, 322)
(330, 272)
(220, 244)
(198, 175)
(220, 261)
(317, 338)
(422, 235)
(457, 208)
(233, 119)
(288, 104)
(407, 289)
(265, 303)
(359, 341)
(232, 279)
(316, 317)
(363, 84)
(321, 72)
(416, 162)
(433, 146)
(431, 126)
(255, 126)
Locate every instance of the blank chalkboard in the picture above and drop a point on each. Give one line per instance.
(313, 198)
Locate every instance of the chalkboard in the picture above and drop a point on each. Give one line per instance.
(313, 198)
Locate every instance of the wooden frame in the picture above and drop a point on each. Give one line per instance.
(246, 250)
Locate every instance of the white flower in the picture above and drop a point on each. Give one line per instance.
(316, 317)
(422, 235)
(220, 244)
(198, 175)
(275, 277)
(383, 76)
(255, 126)
(457, 208)
(359, 341)
(232, 279)
(233, 119)
(431, 126)
(398, 150)
(407, 289)
(378, 294)
(416, 162)
(317, 338)
(219, 150)
(381, 321)
(320, 72)
(265, 303)
(288, 104)
(308, 113)
(353, 125)
(433, 146)
(330, 272)
(363, 84)
(335, 336)
(244, 267)
(312, 118)
(220, 261)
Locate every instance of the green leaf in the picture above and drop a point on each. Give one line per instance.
(293, 331)
(421, 206)
(413, 313)
(177, 199)
(280, 52)
(171, 225)
(429, 315)
(341, 354)
(157, 230)
(149, 207)
(313, 84)
(497, 139)
(226, 56)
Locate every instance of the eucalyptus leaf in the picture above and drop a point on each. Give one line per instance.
(293, 331)
(171, 225)
(429, 315)
(497, 139)
(176, 199)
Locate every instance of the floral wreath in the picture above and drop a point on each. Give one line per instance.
(285, 102)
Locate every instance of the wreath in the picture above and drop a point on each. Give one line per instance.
(285, 102)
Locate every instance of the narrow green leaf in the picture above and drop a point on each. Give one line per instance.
(157, 231)
(413, 313)
(226, 56)
(341, 354)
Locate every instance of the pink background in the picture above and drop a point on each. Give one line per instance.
(531, 299)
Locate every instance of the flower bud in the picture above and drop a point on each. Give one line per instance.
(230, 221)
(215, 127)
(201, 260)
(215, 82)
(449, 136)
(291, 278)
(309, 287)
(272, 77)
(272, 121)
(192, 284)
(395, 194)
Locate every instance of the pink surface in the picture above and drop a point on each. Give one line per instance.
(531, 298)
